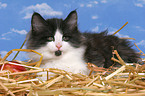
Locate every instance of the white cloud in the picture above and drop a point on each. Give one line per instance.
(67, 5)
(95, 17)
(139, 3)
(139, 28)
(43, 9)
(82, 5)
(4, 38)
(113, 30)
(22, 32)
(4, 34)
(141, 43)
(122, 35)
(7, 35)
(119, 35)
(96, 29)
(92, 3)
(3, 5)
(103, 1)
(89, 5)
(95, 2)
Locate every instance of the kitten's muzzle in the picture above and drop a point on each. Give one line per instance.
(58, 46)
(58, 53)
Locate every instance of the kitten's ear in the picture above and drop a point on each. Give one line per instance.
(37, 22)
(71, 20)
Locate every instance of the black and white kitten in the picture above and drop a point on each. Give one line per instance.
(64, 47)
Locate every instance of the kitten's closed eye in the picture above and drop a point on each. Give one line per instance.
(66, 38)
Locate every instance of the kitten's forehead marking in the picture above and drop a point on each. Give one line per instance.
(58, 36)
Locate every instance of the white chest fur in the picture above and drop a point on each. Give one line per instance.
(71, 61)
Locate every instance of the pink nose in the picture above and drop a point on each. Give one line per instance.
(58, 46)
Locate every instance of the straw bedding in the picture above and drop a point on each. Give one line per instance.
(126, 80)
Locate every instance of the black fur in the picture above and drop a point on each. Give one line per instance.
(99, 46)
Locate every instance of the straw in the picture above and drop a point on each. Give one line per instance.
(120, 28)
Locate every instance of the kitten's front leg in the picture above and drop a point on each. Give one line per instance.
(108, 62)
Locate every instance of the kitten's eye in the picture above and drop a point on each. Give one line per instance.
(65, 38)
(50, 38)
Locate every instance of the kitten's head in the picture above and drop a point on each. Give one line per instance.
(54, 35)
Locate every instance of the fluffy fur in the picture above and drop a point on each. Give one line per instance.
(100, 47)
(65, 47)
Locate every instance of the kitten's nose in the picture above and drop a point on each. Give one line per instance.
(58, 46)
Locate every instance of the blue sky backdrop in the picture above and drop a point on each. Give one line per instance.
(93, 15)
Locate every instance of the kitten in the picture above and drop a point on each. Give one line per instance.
(64, 47)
